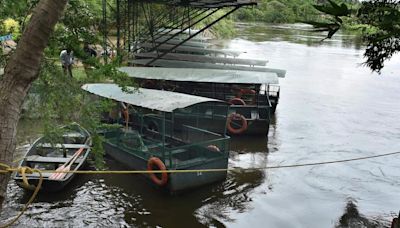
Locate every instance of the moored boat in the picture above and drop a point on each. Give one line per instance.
(250, 93)
(165, 130)
(67, 152)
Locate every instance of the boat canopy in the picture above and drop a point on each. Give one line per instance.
(198, 50)
(178, 41)
(204, 58)
(159, 100)
(202, 75)
(188, 64)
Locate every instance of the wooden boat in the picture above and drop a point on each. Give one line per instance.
(166, 130)
(70, 150)
(249, 92)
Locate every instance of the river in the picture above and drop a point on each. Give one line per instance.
(331, 108)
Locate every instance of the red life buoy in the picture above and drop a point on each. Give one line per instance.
(213, 148)
(236, 116)
(154, 161)
(247, 92)
(236, 101)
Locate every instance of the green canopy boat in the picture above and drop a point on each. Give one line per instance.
(166, 130)
(253, 95)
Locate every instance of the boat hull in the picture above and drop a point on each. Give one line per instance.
(177, 182)
(47, 185)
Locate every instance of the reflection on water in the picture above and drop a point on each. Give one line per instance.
(353, 218)
(330, 108)
(296, 33)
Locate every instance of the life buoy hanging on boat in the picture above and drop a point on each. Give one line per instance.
(247, 92)
(236, 101)
(236, 116)
(154, 161)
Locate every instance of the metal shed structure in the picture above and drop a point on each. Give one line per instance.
(147, 21)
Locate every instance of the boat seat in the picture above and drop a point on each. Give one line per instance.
(66, 146)
(41, 159)
(30, 175)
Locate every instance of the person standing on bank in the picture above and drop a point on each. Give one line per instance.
(67, 59)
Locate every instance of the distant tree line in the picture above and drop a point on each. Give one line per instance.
(286, 11)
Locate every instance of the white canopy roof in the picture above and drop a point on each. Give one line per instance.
(160, 100)
(202, 75)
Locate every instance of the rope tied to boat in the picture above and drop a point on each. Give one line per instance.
(23, 171)
(27, 170)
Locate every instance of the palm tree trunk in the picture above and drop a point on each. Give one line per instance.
(21, 70)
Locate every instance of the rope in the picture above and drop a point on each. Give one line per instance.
(26, 170)
(205, 170)
(23, 171)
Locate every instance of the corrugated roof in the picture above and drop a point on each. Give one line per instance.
(188, 64)
(189, 49)
(202, 75)
(160, 100)
(204, 58)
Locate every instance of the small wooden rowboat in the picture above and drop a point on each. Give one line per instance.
(69, 153)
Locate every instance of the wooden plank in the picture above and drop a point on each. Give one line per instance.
(203, 51)
(204, 59)
(41, 159)
(66, 146)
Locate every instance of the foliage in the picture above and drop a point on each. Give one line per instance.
(222, 29)
(12, 26)
(60, 99)
(382, 20)
(56, 98)
(279, 11)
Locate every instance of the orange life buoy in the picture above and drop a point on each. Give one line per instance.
(236, 101)
(213, 148)
(247, 92)
(154, 161)
(236, 116)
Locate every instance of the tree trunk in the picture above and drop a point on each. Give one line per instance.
(21, 70)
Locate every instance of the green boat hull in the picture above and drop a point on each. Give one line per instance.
(177, 182)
